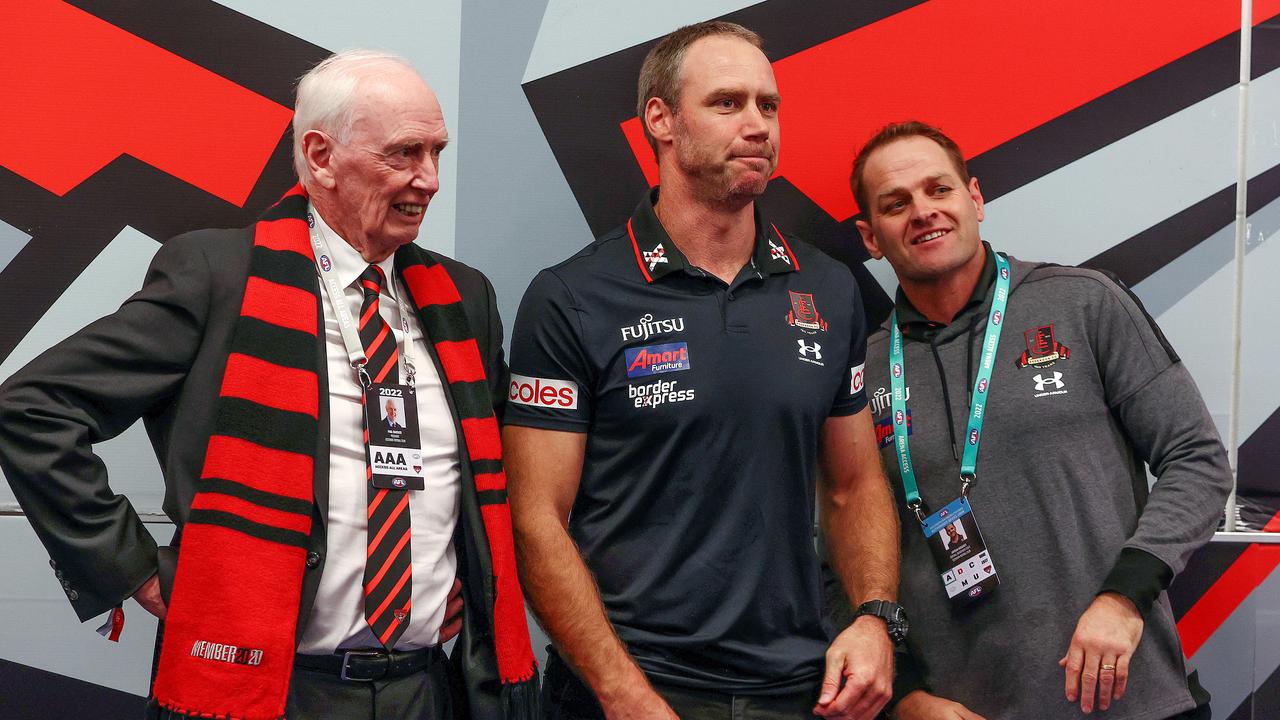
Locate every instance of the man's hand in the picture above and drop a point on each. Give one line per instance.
(452, 613)
(148, 596)
(1097, 662)
(861, 656)
(920, 705)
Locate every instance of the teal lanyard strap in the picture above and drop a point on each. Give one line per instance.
(981, 389)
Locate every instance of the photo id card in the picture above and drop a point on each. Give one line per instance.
(395, 452)
(959, 552)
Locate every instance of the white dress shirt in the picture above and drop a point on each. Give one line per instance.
(337, 619)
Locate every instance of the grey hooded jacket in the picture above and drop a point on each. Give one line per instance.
(1062, 496)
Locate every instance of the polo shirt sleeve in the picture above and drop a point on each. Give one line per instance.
(550, 370)
(851, 397)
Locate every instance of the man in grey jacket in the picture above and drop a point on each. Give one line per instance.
(1055, 598)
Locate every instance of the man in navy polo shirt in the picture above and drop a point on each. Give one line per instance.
(676, 387)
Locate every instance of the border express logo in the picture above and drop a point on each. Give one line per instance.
(656, 359)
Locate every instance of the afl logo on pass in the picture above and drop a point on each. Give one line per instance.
(541, 392)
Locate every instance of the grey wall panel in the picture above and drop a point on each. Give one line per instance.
(110, 279)
(40, 629)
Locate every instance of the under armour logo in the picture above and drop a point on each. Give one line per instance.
(806, 349)
(655, 256)
(778, 253)
(1042, 382)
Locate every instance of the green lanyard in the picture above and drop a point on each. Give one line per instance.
(981, 386)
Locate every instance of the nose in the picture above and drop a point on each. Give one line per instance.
(922, 210)
(426, 175)
(755, 126)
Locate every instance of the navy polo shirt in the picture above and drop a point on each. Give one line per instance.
(702, 403)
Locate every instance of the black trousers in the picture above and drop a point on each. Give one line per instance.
(323, 696)
(565, 697)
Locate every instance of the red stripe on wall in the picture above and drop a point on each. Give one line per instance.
(1273, 525)
(994, 70)
(82, 92)
(1217, 604)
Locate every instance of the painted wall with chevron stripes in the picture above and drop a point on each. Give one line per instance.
(1141, 137)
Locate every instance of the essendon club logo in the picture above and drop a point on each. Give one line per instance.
(1043, 350)
(804, 313)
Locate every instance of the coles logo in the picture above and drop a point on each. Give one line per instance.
(541, 392)
(855, 378)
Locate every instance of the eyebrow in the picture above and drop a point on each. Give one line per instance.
(401, 142)
(739, 92)
(898, 190)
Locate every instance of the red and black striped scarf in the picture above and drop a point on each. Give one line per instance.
(229, 637)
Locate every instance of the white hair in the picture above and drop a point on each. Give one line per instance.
(325, 98)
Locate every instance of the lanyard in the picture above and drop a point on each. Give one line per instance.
(981, 387)
(346, 322)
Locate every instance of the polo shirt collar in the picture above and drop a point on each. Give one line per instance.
(347, 263)
(657, 256)
(916, 325)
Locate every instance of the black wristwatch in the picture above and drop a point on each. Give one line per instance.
(895, 618)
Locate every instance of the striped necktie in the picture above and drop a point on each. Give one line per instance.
(387, 584)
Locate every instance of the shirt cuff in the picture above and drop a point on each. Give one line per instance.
(1139, 576)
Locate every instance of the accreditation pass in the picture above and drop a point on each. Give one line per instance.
(959, 552)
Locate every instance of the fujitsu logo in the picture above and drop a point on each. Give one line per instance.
(881, 400)
(648, 327)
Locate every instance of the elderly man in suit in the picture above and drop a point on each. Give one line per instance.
(311, 575)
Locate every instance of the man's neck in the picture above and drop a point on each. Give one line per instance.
(717, 239)
(350, 236)
(941, 299)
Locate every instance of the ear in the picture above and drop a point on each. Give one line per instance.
(976, 195)
(868, 239)
(659, 118)
(317, 150)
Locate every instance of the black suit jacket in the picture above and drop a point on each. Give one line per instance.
(161, 357)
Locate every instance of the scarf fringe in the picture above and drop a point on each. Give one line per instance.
(521, 700)
(174, 712)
